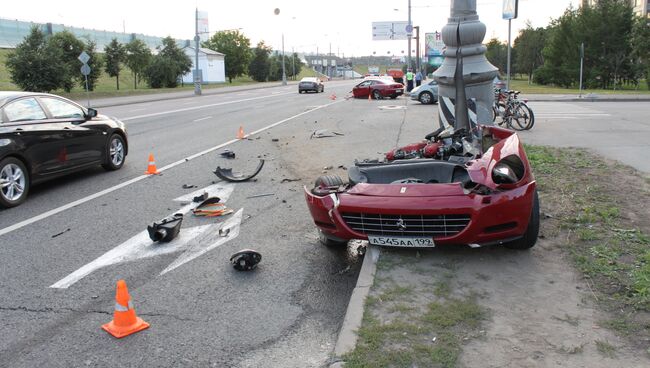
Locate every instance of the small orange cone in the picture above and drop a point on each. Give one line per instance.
(240, 133)
(333, 96)
(151, 168)
(369, 96)
(124, 322)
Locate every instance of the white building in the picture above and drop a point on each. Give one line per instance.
(211, 64)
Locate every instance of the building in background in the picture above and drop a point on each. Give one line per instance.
(211, 65)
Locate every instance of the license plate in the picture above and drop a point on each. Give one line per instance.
(399, 90)
(394, 241)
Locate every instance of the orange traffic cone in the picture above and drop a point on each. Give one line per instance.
(124, 322)
(240, 133)
(151, 168)
(333, 96)
(369, 96)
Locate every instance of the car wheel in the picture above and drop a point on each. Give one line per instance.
(328, 181)
(14, 182)
(376, 95)
(300, 91)
(392, 97)
(115, 153)
(426, 98)
(330, 241)
(532, 231)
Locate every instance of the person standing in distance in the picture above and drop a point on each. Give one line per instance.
(418, 78)
(409, 80)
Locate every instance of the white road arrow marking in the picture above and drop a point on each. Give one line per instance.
(140, 246)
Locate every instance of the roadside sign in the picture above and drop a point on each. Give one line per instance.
(510, 9)
(384, 31)
(85, 69)
(83, 57)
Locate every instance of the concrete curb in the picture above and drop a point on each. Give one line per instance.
(347, 339)
(600, 99)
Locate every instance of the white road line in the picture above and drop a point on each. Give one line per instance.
(83, 200)
(134, 110)
(205, 118)
(198, 107)
(558, 117)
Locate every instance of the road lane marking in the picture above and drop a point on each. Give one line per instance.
(140, 246)
(205, 118)
(199, 107)
(134, 110)
(89, 198)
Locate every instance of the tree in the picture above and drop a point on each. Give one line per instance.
(96, 63)
(294, 66)
(138, 57)
(71, 47)
(115, 55)
(641, 48)
(168, 66)
(561, 54)
(236, 47)
(528, 48)
(31, 64)
(258, 68)
(497, 54)
(275, 66)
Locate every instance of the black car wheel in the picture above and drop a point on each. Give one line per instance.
(532, 231)
(426, 98)
(376, 95)
(115, 153)
(14, 182)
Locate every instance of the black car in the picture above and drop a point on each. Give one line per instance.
(43, 136)
(311, 84)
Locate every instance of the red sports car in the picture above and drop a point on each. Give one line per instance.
(439, 191)
(378, 88)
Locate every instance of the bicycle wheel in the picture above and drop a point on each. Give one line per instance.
(532, 117)
(521, 117)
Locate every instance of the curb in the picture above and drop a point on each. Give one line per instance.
(576, 99)
(347, 339)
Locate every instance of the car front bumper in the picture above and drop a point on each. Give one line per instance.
(493, 219)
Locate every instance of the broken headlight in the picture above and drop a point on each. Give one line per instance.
(509, 170)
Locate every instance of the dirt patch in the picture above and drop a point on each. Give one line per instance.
(579, 298)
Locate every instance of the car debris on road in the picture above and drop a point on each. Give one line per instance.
(211, 207)
(228, 175)
(245, 259)
(167, 229)
(324, 133)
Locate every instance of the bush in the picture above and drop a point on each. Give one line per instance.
(161, 72)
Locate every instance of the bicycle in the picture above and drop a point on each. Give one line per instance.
(515, 114)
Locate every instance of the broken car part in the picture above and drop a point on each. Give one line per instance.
(211, 207)
(201, 198)
(324, 133)
(228, 154)
(228, 175)
(167, 229)
(245, 260)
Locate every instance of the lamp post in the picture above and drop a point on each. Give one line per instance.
(197, 76)
(276, 11)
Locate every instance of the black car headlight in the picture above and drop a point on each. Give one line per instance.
(509, 170)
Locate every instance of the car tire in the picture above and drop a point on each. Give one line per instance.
(376, 94)
(300, 91)
(14, 174)
(115, 153)
(426, 98)
(392, 97)
(329, 241)
(328, 181)
(529, 238)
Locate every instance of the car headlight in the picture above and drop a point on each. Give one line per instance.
(509, 170)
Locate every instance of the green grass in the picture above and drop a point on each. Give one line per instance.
(606, 349)
(614, 258)
(523, 86)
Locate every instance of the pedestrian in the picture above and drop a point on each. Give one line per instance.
(418, 78)
(409, 80)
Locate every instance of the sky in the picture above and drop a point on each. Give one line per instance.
(307, 25)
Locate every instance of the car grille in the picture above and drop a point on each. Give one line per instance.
(436, 226)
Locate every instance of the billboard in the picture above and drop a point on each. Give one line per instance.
(386, 31)
(510, 9)
(433, 48)
(202, 25)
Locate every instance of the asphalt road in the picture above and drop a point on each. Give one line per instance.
(203, 313)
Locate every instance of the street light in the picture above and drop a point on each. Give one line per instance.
(276, 11)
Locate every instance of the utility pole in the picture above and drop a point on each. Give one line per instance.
(508, 67)
(197, 77)
(582, 57)
(409, 34)
(417, 48)
(465, 20)
(284, 74)
(293, 63)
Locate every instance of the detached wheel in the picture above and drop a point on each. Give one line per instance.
(330, 241)
(328, 181)
(14, 182)
(376, 95)
(426, 98)
(115, 153)
(532, 231)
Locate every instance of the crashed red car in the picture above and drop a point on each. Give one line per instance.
(436, 192)
(378, 88)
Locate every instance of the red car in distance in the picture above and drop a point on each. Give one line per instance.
(378, 89)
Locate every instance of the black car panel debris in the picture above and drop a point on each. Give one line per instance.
(167, 229)
(228, 175)
(245, 259)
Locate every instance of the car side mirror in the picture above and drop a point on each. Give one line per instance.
(91, 113)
